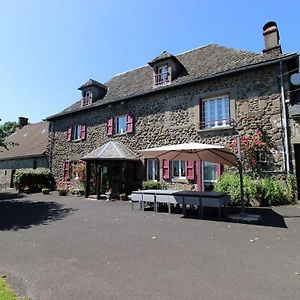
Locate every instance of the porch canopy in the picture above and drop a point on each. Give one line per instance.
(192, 151)
(112, 150)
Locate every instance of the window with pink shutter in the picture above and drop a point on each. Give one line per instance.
(166, 169)
(190, 170)
(219, 170)
(129, 123)
(110, 126)
(82, 132)
(67, 170)
(69, 134)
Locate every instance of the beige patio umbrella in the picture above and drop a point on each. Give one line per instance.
(192, 151)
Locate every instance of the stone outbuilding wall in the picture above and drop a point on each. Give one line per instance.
(9, 167)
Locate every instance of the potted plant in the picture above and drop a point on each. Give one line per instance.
(122, 196)
(45, 191)
(62, 191)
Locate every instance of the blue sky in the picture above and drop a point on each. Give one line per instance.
(50, 47)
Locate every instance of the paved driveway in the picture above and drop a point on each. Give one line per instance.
(71, 248)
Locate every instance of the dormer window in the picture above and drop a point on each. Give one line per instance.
(163, 75)
(166, 67)
(92, 91)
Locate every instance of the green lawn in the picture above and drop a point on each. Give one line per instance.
(5, 292)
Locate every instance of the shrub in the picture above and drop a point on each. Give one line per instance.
(291, 187)
(34, 180)
(45, 191)
(229, 182)
(151, 185)
(271, 192)
(77, 187)
(265, 191)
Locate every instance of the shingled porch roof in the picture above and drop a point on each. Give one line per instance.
(112, 150)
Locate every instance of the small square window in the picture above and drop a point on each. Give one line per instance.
(162, 76)
(178, 169)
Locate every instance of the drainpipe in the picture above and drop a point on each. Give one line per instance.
(284, 120)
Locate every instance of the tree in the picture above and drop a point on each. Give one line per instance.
(6, 130)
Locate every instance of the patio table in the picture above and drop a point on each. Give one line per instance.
(200, 199)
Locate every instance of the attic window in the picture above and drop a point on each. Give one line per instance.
(86, 98)
(163, 75)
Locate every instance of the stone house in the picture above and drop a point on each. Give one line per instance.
(206, 95)
(27, 149)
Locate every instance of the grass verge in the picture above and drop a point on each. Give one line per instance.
(5, 292)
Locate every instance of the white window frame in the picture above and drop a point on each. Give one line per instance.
(152, 169)
(76, 130)
(215, 122)
(209, 181)
(180, 175)
(117, 123)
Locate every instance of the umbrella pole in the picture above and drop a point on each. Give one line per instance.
(240, 162)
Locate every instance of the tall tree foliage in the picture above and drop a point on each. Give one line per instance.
(6, 129)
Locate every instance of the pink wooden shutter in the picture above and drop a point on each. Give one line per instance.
(82, 132)
(69, 134)
(199, 176)
(110, 126)
(190, 170)
(166, 169)
(219, 170)
(129, 123)
(67, 170)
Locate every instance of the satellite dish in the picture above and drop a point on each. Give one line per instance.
(295, 79)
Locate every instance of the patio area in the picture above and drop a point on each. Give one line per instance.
(73, 248)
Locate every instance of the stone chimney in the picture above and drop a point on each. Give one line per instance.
(271, 37)
(23, 121)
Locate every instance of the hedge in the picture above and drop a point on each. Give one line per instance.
(265, 191)
(34, 180)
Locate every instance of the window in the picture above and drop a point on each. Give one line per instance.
(260, 156)
(152, 169)
(34, 164)
(210, 173)
(215, 112)
(120, 124)
(86, 98)
(76, 133)
(179, 169)
(162, 76)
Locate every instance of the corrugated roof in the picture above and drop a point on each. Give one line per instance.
(112, 150)
(30, 140)
(201, 63)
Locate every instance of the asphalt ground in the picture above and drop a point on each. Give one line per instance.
(55, 247)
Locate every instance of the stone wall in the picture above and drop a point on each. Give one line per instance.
(172, 117)
(8, 166)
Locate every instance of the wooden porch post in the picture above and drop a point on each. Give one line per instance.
(87, 179)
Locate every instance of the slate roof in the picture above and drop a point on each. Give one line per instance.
(91, 82)
(31, 140)
(112, 150)
(163, 56)
(200, 64)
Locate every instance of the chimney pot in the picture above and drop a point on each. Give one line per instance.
(271, 37)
